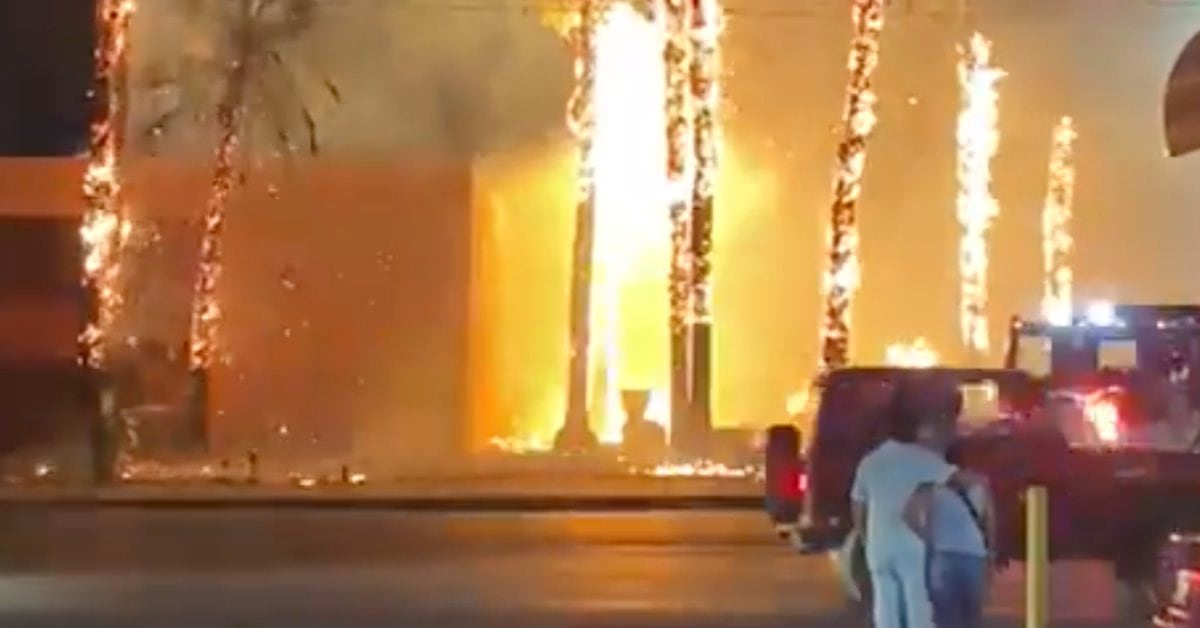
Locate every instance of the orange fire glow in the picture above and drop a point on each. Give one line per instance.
(105, 225)
(915, 354)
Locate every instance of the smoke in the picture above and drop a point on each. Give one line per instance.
(366, 77)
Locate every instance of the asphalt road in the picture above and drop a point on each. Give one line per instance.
(245, 568)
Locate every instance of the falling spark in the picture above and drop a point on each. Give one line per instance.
(105, 226)
(1057, 243)
(681, 172)
(842, 274)
(978, 138)
(917, 354)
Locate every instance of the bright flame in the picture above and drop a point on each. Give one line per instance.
(1102, 413)
(841, 279)
(105, 225)
(978, 138)
(798, 402)
(631, 186)
(916, 354)
(1057, 243)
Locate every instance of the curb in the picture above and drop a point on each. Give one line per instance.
(498, 503)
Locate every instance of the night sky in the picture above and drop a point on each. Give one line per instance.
(45, 68)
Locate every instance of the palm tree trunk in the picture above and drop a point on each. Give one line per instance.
(575, 433)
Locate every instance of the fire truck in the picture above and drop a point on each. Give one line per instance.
(1101, 409)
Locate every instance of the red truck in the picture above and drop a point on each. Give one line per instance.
(1104, 410)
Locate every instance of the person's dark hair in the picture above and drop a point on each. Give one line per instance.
(904, 418)
(919, 400)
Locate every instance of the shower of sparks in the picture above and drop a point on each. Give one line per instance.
(1056, 225)
(706, 97)
(842, 274)
(105, 225)
(256, 70)
(978, 138)
(917, 354)
(206, 310)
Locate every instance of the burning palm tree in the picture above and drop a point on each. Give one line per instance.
(105, 221)
(252, 73)
(575, 433)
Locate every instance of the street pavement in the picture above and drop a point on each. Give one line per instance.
(264, 568)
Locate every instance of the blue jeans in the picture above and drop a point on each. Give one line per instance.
(956, 588)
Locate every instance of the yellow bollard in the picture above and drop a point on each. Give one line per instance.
(1037, 558)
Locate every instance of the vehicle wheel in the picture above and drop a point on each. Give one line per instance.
(1146, 578)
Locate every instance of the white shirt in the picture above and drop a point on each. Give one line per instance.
(886, 478)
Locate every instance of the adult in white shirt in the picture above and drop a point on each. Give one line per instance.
(883, 484)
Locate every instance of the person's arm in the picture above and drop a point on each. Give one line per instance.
(988, 513)
(858, 515)
(917, 509)
(858, 503)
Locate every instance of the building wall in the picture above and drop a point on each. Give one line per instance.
(345, 297)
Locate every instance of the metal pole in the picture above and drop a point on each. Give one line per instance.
(1037, 558)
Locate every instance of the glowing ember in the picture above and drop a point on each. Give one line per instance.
(519, 446)
(1056, 225)
(701, 469)
(978, 138)
(44, 470)
(917, 354)
(105, 225)
(842, 275)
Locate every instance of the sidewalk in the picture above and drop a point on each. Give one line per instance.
(458, 493)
